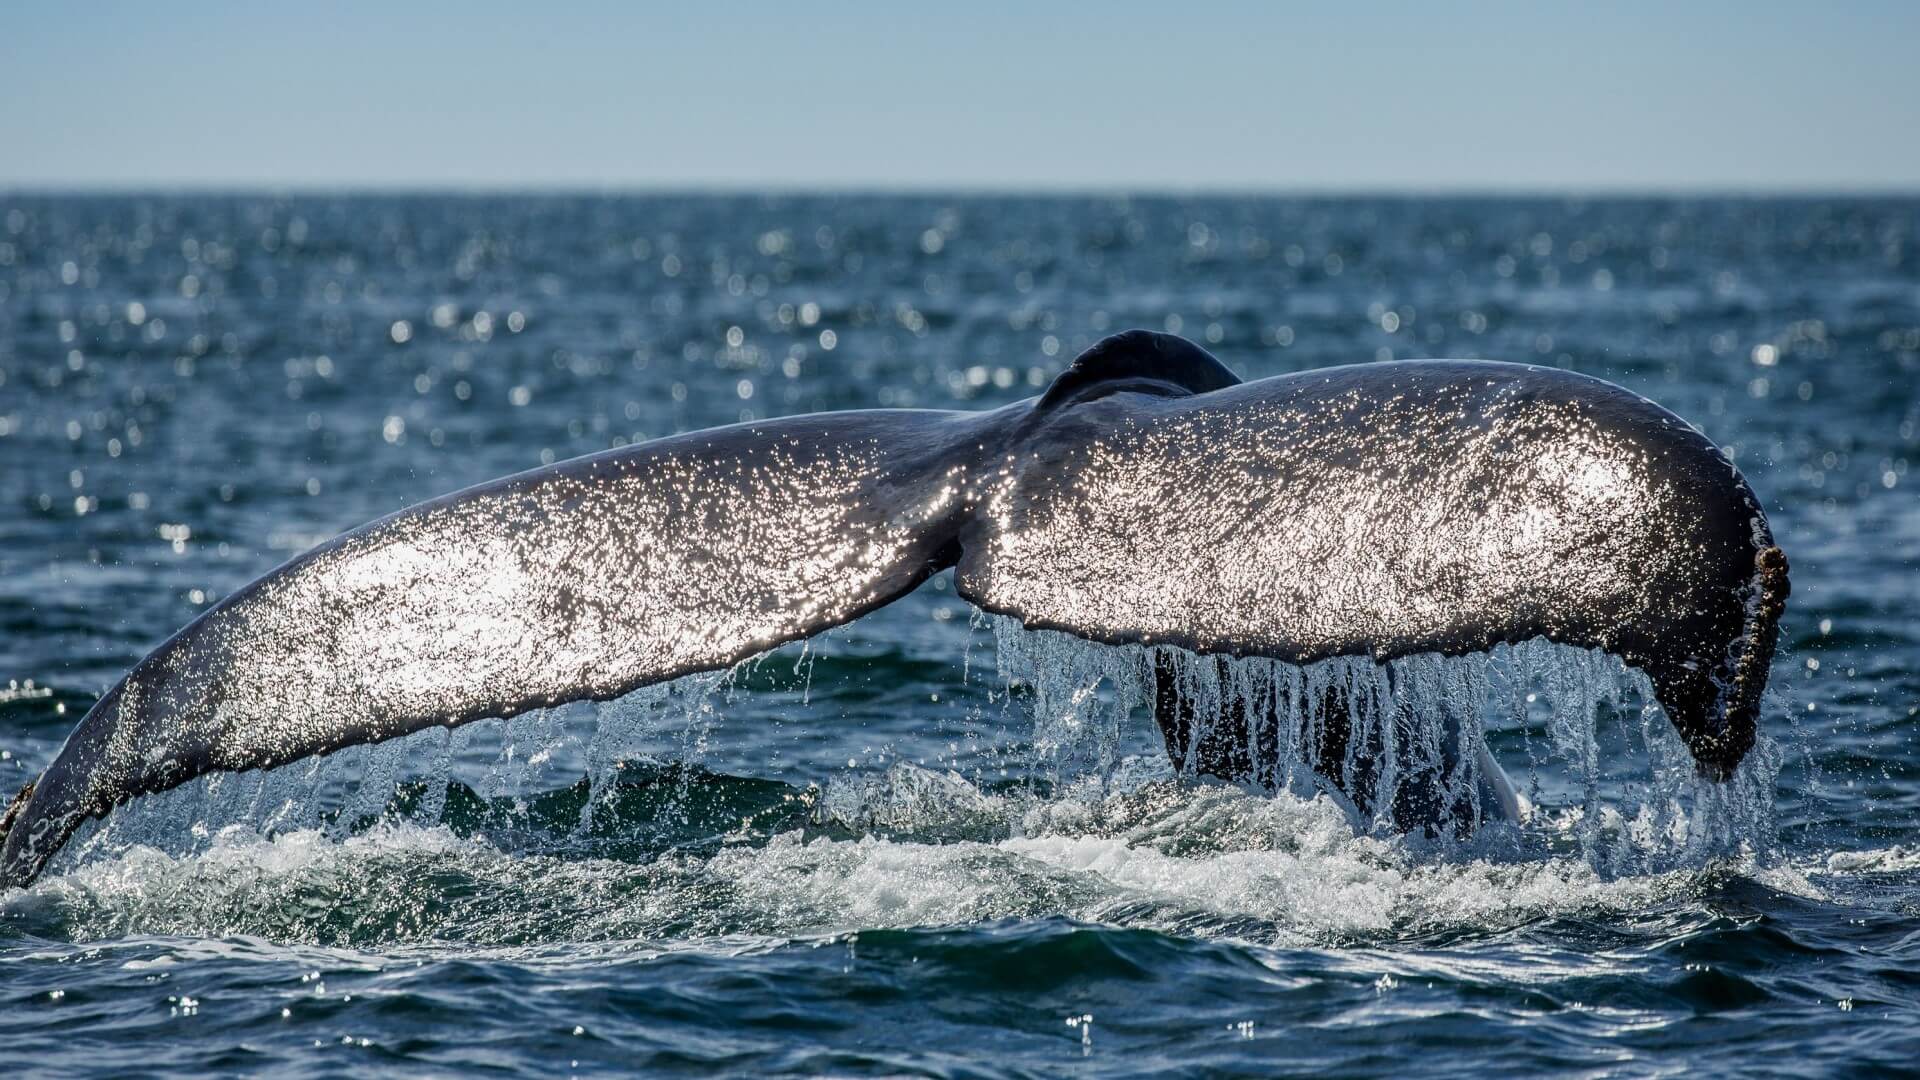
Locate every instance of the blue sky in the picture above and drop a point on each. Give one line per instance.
(1482, 96)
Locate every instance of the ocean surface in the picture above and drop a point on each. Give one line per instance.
(906, 847)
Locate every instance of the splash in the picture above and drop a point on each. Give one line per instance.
(467, 835)
(505, 765)
(1604, 767)
(1209, 861)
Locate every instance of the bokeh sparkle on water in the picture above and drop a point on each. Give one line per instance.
(193, 389)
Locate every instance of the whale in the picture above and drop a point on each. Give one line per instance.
(1147, 497)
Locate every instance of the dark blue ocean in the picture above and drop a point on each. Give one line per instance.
(870, 855)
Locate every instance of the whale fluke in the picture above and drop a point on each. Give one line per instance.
(584, 580)
(1148, 496)
(1392, 509)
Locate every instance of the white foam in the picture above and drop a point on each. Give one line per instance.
(1209, 860)
(1892, 860)
(1620, 822)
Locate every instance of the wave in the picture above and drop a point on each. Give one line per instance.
(570, 826)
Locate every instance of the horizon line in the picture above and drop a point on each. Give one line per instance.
(92, 188)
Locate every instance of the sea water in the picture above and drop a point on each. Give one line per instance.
(934, 842)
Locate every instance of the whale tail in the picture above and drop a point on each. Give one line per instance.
(1381, 510)
(1388, 510)
(584, 580)
(1767, 604)
(13, 809)
(1715, 700)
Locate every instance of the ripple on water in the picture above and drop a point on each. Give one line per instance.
(1058, 903)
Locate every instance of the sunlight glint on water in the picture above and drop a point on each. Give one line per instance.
(691, 909)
